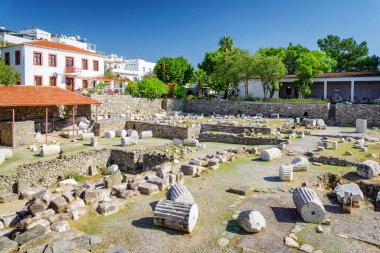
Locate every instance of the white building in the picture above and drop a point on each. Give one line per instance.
(342, 86)
(133, 69)
(43, 62)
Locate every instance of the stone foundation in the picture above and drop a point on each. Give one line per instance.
(347, 114)
(236, 129)
(23, 133)
(235, 139)
(109, 125)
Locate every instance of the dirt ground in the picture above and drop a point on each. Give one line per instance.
(216, 231)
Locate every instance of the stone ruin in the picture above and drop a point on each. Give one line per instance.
(308, 205)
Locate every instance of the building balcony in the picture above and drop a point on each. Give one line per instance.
(73, 70)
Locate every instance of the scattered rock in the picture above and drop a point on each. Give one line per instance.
(251, 221)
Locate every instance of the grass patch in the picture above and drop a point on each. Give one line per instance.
(76, 176)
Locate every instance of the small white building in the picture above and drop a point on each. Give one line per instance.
(342, 86)
(44, 62)
(133, 69)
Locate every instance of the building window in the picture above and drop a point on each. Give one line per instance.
(37, 80)
(135, 79)
(37, 58)
(52, 60)
(85, 84)
(53, 81)
(84, 64)
(144, 69)
(70, 83)
(17, 57)
(69, 61)
(7, 58)
(96, 66)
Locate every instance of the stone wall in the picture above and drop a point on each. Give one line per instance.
(47, 172)
(235, 139)
(332, 160)
(286, 110)
(165, 131)
(346, 114)
(23, 133)
(8, 183)
(235, 129)
(108, 125)
(117, 105)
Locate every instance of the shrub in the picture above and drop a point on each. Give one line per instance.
(151, 88)
(179, 91)
(132, 89)
(102, 170)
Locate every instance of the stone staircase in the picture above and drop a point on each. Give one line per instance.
(331, 121)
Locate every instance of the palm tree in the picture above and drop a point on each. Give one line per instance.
(226, 43)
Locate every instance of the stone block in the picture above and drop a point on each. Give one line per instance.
(189, 169)
(37, 206)
(121, 133)
(109, 134)
(47, 150)
(87, 136)
(111, 169)
(90, 196)
(251, 221)
(353, 189)
(300, 164)
(60, 226)
(361, 126)
(107, 207)
(270, 154)
(59, 204)
(146, 134)
(7, 197)
(113, 179)
(27, 236)
(148, 188)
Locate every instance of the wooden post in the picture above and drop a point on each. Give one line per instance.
(96, 114)
(13, 128)
(73, 124)
(46, 125)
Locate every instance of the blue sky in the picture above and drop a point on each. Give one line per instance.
(151, 29)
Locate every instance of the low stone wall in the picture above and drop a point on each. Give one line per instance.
(286, 110)
(332, 160)
(47, 172)
(8, 183)
(369, 189)
(234, 139)
(236, 129)
(108, 125)
(165, 131)
(23, 133)
(346, 114)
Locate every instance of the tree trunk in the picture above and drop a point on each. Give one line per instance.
(246, 90)
(226, 94)
(199, 90)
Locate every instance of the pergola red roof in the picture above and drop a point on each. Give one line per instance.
(344, 74)
(24, 95)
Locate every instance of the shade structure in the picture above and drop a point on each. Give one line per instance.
(27, 95)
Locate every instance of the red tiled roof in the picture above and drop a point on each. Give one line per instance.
(343, 74)
(27, 95)
(59, 46)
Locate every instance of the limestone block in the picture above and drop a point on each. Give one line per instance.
(309, 122)
(113, 179)
(107, 207)
(94, 141)
(27, 236)
(60, 226)
(179, 193)
(109, 134)
(368, 169)
(87, 136)
(191, 142)
(353, 189)
(146, 134)
(7, 245)
(162, 183)
(59, 204)
(90, 196)
(308, 205)
(361, 125)
(300, 164)
(251, 221)
(111, 169)
(121, 133)
(126, 141)
(10, 220)
(8, 153)
(286, 172)
(163, 169)
(131, 132)
(190, 169)
(68, 182)
(147, 188)
(176, 215)
(37, 206)
(31, 193)
(47, 150)
(177, 141)
(92, 171)
(270, 154)
(275, 116)
(334, 145)
(213, 164)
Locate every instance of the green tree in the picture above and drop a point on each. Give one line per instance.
(292, 54)
(349, 55)
(201, 78)
(8, 75)
(270, 69)
(280, 52)
(151, 88)
(226, 43)
(179, 91)
(244, 64)
(132, 89)
(309, 66)
(173, 70)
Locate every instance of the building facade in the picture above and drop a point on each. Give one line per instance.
(133, 69)
(43, 62)
(337, 87)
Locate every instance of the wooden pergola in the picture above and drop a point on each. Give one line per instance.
(41, 96)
